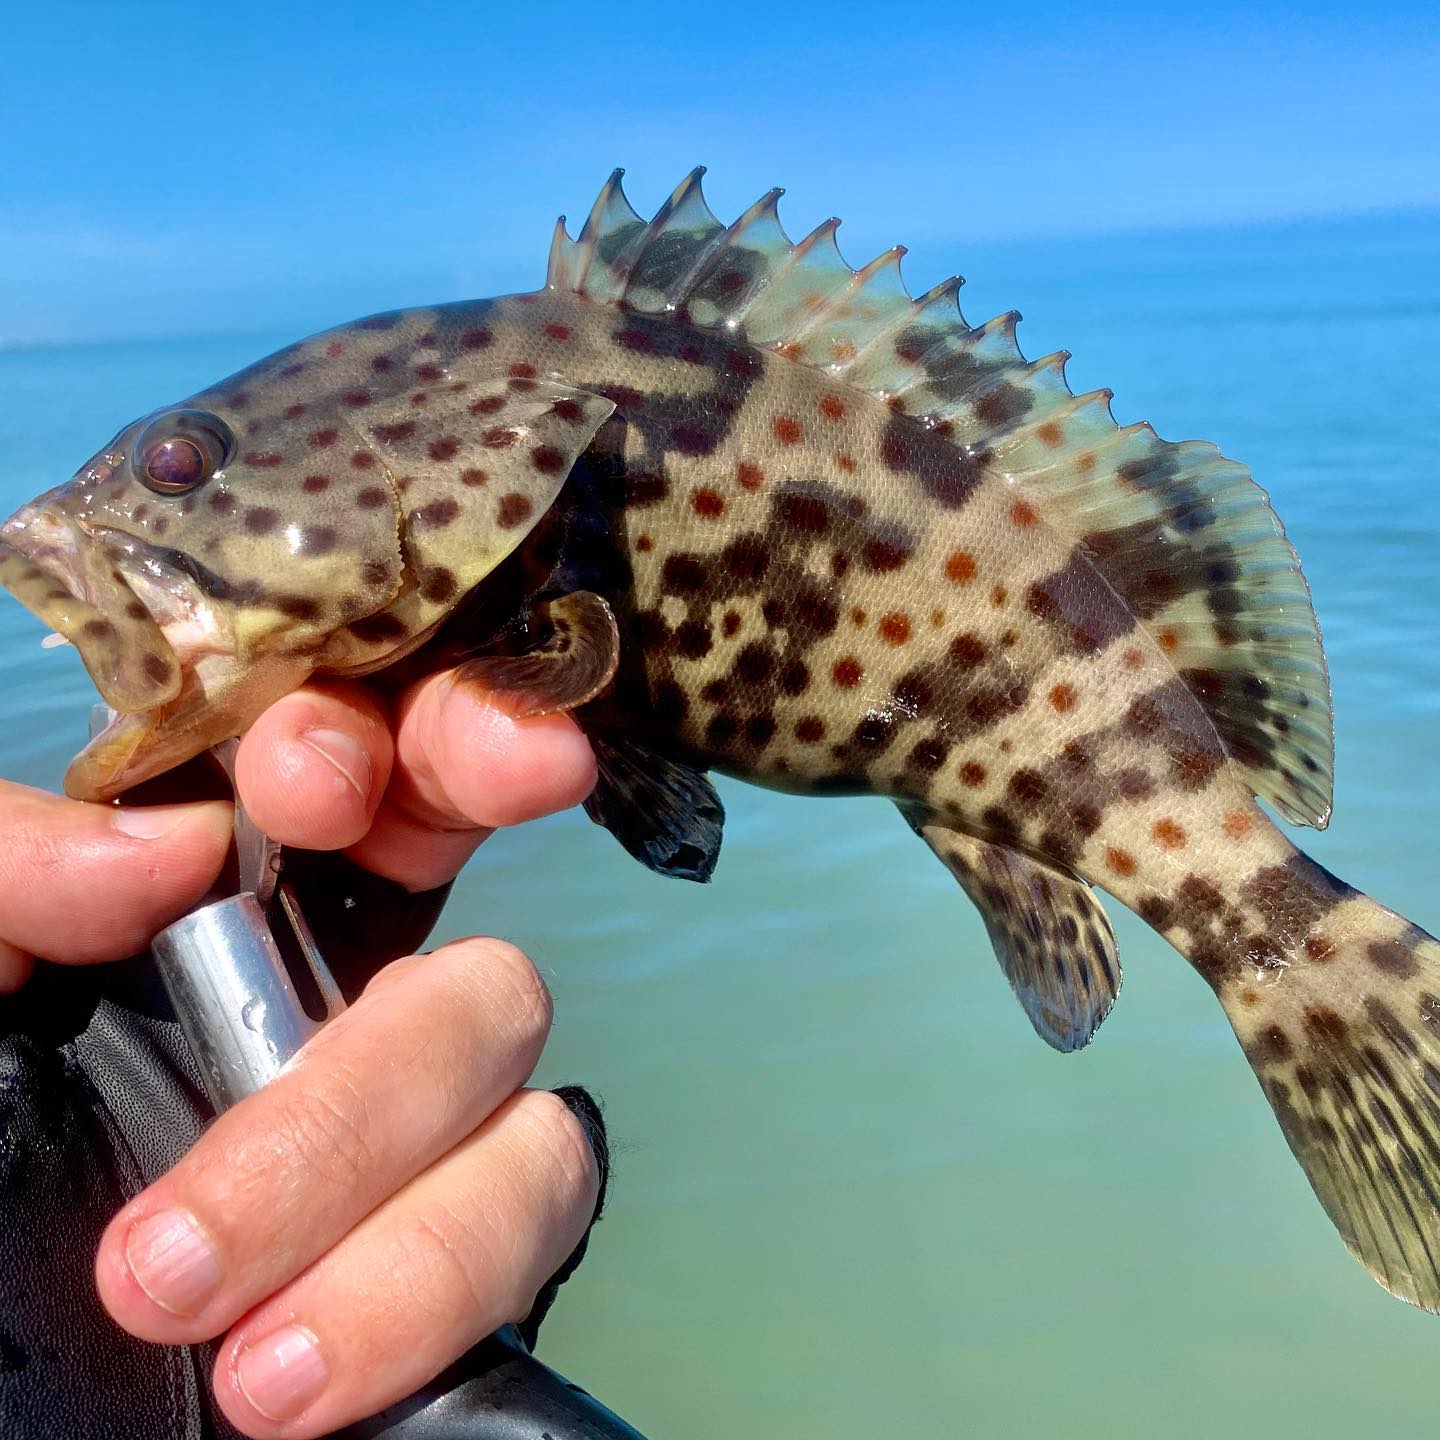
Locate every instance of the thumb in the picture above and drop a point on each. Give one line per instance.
(81, 883)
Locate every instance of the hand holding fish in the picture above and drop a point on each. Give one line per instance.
(396, 1194)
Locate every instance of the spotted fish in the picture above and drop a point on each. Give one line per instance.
(743, 508)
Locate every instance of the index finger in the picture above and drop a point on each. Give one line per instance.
(464, 767)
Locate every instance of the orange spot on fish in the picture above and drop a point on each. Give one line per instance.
(1023, 514)
(1319, 947)
(335, 349)
(1169, 640)
(847, 673)
(1062, 697)
(857, 616)
(556, 331)
(708, 504)
(895, 628)
(1134, 658)
(960, 568)
(845, 462)
(998, 596)
(1051, 433)
(787, 429)
(842, 350)
(1120, 861)
(1085, 462)
(1238, 825)
(790, 349)
(644, 543)
(832, 407)
(972, 774)
(749, 475)
(1169, 835)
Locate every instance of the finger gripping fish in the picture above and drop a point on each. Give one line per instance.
(740, 507)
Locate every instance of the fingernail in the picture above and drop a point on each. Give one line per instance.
(151, 822)
(283, 1373)
(346, 754)
(172, 1262)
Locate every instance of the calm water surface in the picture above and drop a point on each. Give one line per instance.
(855, 1195)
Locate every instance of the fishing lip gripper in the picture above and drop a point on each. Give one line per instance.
(224, 972)
(226, 977)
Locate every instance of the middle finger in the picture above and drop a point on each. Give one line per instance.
(431, 1048)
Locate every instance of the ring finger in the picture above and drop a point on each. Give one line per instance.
(460, 1251)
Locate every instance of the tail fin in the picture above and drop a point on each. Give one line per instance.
(1344, 1036)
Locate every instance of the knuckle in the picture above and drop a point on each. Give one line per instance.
(564, 1143)
(511, 988)
(325, 1134)
(448, 1265)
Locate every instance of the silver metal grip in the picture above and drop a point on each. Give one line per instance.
(232, 995)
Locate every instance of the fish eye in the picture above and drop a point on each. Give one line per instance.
(182, 449)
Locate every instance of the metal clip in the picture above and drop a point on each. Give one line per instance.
(225, 974)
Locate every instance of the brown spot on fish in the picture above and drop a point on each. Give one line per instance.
(1133, 658)
(318, 539)
(882, 555)
(998, 596)
(447, 447)
(832, 407)
(809, 729)
(156, 668)
(787, 430)
(514, 509)
(972, 773)
(437, 514)
(748, 475)
(554, 330)
(488, 405)
(362, 460)
(1121, 862)
(960, 567)
(1168, 834)
(357, 399)
(895, 628)
(319, 439)
(1319, 947)
(1063, 697)
(1393, 958)
(1050, 433)
(1237, 825)
(1326, 1024)
(372, 498)
(474, 476)
(477, 338)
(845, 461)
(804, 513)
(261, 520)
(548, 460)
(499, 437)
(1169, 640)
(968, 651)
(1023, 514)
(846, 673)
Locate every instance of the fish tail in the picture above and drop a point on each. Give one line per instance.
(1337, 1005)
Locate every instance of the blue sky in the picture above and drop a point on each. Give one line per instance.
(174, 169)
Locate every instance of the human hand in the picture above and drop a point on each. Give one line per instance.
(395, 1194)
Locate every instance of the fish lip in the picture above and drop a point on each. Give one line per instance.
(56, 544)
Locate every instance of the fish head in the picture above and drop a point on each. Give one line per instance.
(209, 558)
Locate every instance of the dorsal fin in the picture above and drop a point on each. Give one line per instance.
(1184, 535)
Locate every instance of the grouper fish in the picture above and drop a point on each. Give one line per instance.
(741, 508)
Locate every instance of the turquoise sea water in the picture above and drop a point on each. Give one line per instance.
(854, 1195)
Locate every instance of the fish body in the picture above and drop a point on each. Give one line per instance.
(741, 508)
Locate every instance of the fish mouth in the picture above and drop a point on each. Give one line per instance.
(144, 630)
(67, 578)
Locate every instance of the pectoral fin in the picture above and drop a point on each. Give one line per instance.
(573, 662)
(667, 815)
(1050, 935)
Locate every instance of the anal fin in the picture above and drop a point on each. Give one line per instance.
(1051, 936)
(666, 814)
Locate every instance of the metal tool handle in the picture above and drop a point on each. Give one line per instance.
(226, 978)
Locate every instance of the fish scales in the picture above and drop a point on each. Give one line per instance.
(741, 508)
